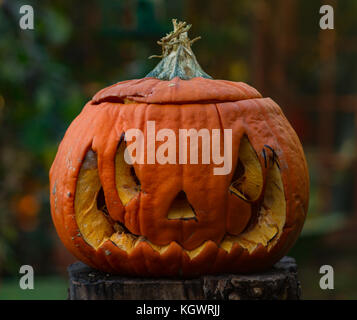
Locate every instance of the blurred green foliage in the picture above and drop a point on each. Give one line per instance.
(46, 288)
(40, 98)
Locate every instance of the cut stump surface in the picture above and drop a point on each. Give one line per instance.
(278, 283)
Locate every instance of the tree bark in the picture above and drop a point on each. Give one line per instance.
(278, 283)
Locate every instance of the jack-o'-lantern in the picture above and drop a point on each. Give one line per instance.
(170, 218)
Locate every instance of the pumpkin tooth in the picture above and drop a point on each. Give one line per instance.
(139, 240)
(128, 242)
(195, 252)
(159, 249)
(124, 241)
(227, 243)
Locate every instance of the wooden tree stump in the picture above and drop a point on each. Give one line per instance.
(280, 282)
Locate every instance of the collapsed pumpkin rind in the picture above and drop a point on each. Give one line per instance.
(151, 244)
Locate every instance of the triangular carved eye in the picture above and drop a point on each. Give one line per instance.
(247, 181)
(127, 183)
(180, 208)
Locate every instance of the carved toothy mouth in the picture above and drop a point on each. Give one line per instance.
(96, 226)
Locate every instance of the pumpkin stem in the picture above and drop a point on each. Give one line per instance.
(178, 59)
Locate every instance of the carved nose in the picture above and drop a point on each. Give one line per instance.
(181, 209)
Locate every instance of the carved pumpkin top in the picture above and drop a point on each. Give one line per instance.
(178, 78)
(152, 90)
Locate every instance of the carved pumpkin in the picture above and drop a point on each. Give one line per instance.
(168, 219)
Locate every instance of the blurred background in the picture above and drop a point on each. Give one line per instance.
(77, 48)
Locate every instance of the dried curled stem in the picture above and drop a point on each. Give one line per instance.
(178, 60)
(176, 37)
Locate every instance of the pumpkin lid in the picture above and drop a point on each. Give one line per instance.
(152, 90)
(177, 78)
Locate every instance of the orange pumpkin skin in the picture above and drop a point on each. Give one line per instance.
(177, 104)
